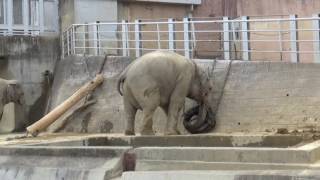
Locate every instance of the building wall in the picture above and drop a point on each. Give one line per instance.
(277, 7)
(66, 14)
(157, 12)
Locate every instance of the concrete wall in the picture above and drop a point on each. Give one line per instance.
(234, 8)
(257, 97)
(107, 114)
(26, 59)
(261, 96)
(66, 14)
(84, 11)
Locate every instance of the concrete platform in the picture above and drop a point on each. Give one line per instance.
(38, 163)
(105, 156)
(223, 175)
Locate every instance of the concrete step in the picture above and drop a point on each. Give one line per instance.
(227, 154)
(222, 175)
(56, 163)
(161, 165)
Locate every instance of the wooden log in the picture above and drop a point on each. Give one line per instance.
(52, 116)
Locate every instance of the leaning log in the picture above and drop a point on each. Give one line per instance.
(57, 112)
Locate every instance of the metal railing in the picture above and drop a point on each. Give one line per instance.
(280, 39)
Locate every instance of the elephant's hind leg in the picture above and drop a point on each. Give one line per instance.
(151, 102)
(130, 111)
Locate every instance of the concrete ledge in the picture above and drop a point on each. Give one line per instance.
(63, 151)
(70, 163)
(162, 165)
(225, 154)
(222, 175)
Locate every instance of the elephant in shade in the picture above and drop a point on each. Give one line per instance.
(10, 91)
(164, 79)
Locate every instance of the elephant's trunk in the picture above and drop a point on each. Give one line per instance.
(199, 119)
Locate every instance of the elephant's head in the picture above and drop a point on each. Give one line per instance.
(201, 118)
(13, 93)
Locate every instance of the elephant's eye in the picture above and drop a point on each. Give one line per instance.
(210, 88)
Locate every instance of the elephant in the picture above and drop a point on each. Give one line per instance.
(10, 91)
(162, 79)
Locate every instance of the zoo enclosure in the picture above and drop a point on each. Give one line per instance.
(285, 38)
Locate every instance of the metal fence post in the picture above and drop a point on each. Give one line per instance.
(316, 38)
(186, 35)
(9, 16)
(293, 39)
(73, 40)
(226, 38)
(137, 36)
(97, 38)
(86, 39)
(171, 35)
(62, 45)
(245, 38)
(158, 36)
(124, 38)
(68, 42)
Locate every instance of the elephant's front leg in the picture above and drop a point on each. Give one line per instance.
(173, 115)
(177, 101)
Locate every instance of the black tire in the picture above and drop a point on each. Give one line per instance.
(195, 128)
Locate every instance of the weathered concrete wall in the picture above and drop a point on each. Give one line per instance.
(107, 114)
(233, 8)
(66, 14)
(27, 59)
(270, 95)
(257, 97)
(84, 11)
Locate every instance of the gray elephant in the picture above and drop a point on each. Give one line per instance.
(10, 91)
(161, 79)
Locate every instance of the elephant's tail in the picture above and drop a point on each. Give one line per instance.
(120, 83)
(122, 78)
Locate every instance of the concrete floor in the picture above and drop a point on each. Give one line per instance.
(106, 156)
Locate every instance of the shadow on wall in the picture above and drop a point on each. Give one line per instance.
(4, 73)
(40, 106)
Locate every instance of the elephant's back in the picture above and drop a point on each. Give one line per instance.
(159, 63)
(157, 70)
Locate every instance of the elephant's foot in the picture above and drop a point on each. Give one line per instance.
(129, 133)
(172, 132)
(147, 132)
